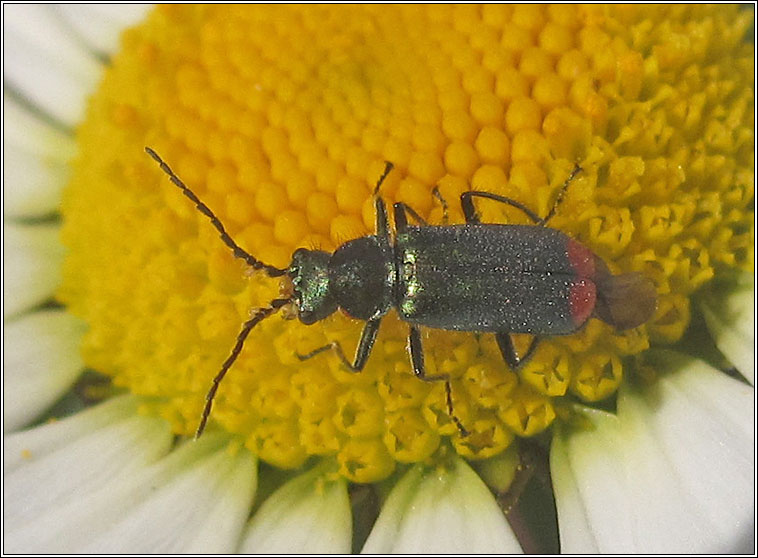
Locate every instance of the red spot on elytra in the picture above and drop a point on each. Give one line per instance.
(580, 257)
(582, 296)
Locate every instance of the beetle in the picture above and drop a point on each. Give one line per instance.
(488, 278)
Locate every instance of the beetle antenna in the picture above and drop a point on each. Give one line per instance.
(387, 168)
(270, 270)
(258, 316)
(456, 420)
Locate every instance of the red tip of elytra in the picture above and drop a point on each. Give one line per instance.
(580, 257)
(582, 297)
(625, 301)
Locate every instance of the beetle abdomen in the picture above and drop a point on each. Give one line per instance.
(514, 278)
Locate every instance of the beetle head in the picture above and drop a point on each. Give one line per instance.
(309, 272)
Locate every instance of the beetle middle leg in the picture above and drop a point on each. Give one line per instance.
(401, 208)
(436, 193)
(401, 220)
(417, 361)
(362, 352)
(508, 350)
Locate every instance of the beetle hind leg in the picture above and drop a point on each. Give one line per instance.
(508, 350)
(472, 217)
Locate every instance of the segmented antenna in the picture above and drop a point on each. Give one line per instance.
(259, 315)
(270, 270)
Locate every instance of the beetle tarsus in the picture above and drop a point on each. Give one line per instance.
(451, 413)
(508, 350)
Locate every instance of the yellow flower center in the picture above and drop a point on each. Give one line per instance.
(280, 118)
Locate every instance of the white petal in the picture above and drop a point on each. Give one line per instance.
(703, 420)
(40, 362)
(57, 434)
(195, 500)
(45, 62)
(731, 318)
(31, 265)
(100, 25)
(50, 466)
(441, 512)
(308, 515)
(35, 157)
(590, 489)
(672, 474)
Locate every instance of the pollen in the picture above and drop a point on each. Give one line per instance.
(280, 120)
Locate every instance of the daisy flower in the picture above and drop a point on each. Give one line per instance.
(280, 120)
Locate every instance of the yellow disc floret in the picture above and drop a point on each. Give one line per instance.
(280, 120)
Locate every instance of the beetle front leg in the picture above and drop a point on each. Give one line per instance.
(368, 336)
(508, 350)
(382, 223)
(436, 193)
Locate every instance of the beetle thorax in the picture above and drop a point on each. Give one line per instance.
(362, 276)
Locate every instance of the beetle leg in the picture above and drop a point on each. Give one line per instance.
(401, 220)
(472, 217)
(443, 203)
(454, 418)
(400, 209)
(469, 211)
(382, 223)
(368, 336)
(388, 166)
(417, 360)
(508, 350)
